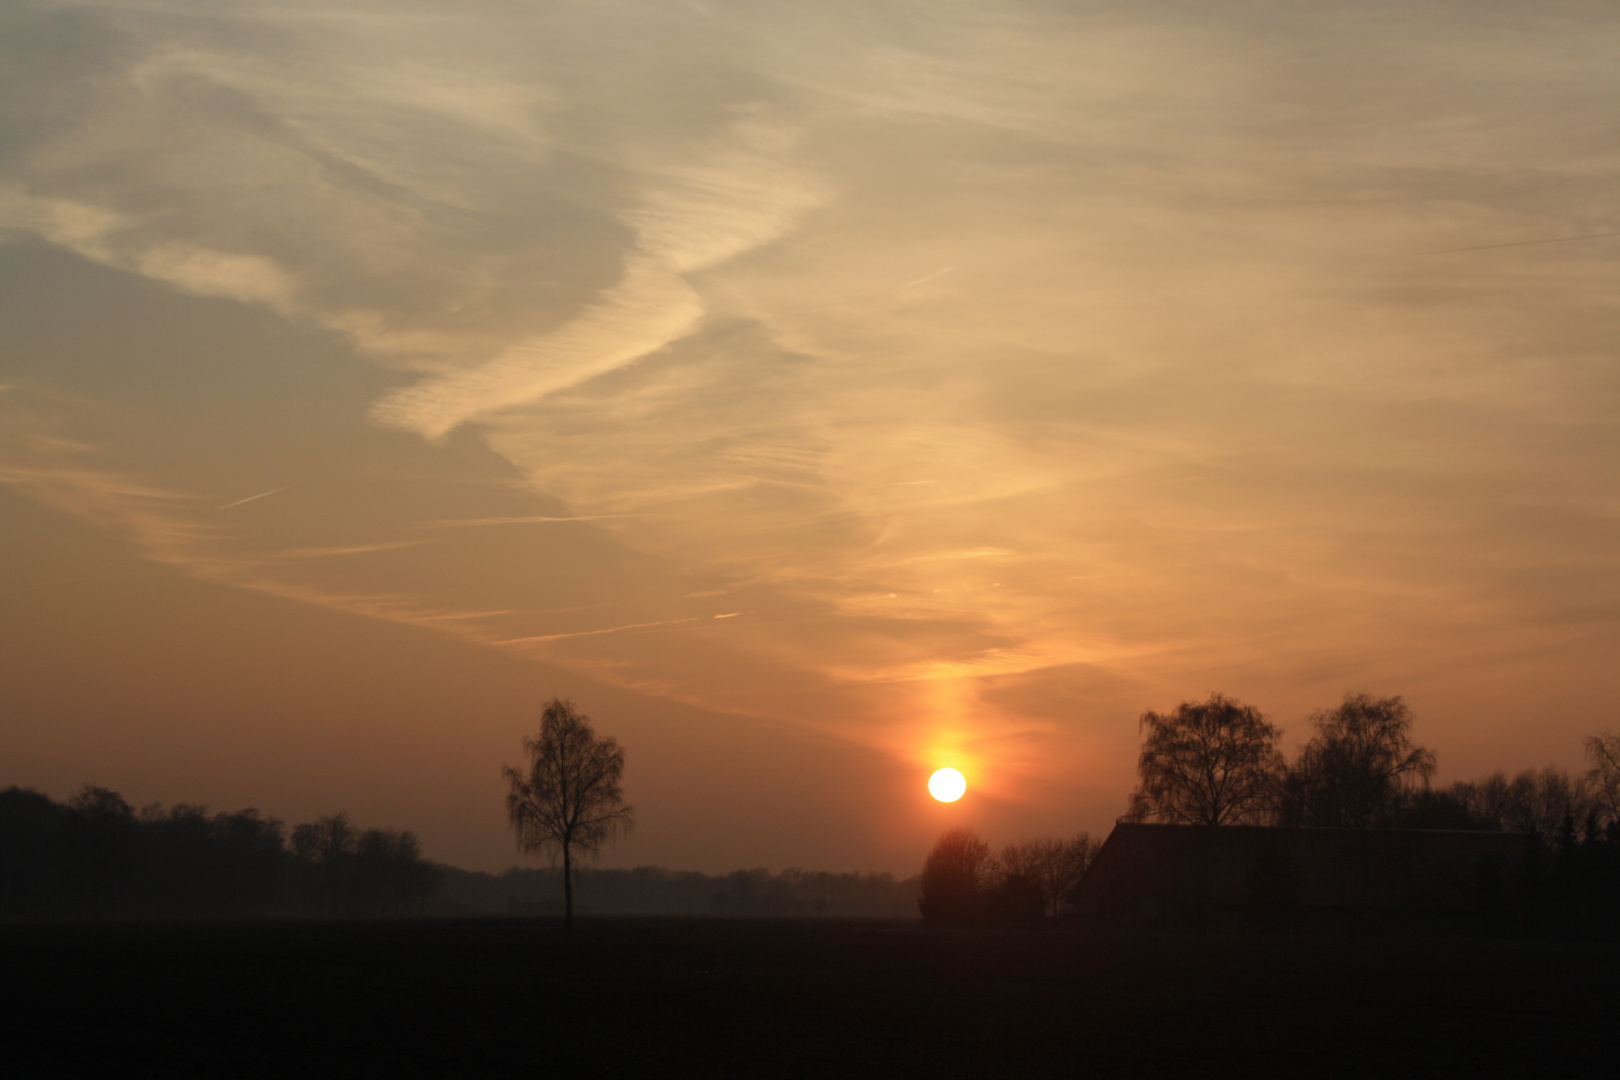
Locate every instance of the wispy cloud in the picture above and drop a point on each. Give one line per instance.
(1522, 243)
(693, 217)
(1178, 397)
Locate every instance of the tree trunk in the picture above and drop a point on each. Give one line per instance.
(568, 890)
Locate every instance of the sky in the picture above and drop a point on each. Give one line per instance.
(817, 394)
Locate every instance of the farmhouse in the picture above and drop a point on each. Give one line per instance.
(1324, 880)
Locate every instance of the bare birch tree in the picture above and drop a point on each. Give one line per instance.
(1211, 762)
(1353, 772)
(1603, 751)
(569, 799)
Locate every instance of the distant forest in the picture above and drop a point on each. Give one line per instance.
(651, 890)
(96, 857)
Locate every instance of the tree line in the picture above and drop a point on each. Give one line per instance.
(1217, 762)
(95, 857)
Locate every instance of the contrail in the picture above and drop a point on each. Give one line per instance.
(595, 633)
(930, 277)
(532, 519)
(1521, 243)
(250, 498)
(614, 629)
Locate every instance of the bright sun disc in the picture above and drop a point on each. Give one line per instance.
(947, 785)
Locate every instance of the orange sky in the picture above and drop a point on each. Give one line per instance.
(819, 394)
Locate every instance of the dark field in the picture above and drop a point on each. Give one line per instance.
(631, 997)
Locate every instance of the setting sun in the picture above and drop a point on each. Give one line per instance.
(947, 785)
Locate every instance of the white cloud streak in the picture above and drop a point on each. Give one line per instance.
(695, 217)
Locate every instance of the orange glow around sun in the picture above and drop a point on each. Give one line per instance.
(947, 785)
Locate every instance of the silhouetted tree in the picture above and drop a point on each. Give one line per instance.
(1603, 751)
(197, 865)
(1441, 808)
(1547, 802)
(570, 798)
(360, 874)
(324, 849)
(1489, 800)
(255, 857)
(40, 861)
(390, 877)
(1054, 866)
(1354, 771)
(109, 852)
(954, 878)
(1211, 762)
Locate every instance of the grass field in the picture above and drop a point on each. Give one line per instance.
(698, 997)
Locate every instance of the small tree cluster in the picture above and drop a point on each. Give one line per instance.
(343, 871)
(1055, 866)
(1538, 801)
(963, 882)
(1217, 762)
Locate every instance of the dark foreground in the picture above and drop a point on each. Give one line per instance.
(655, 998)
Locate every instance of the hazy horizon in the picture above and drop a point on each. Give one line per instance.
(817, 396)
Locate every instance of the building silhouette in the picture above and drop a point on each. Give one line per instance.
(1197, 877)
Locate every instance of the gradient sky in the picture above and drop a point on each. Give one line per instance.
(817, 393)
